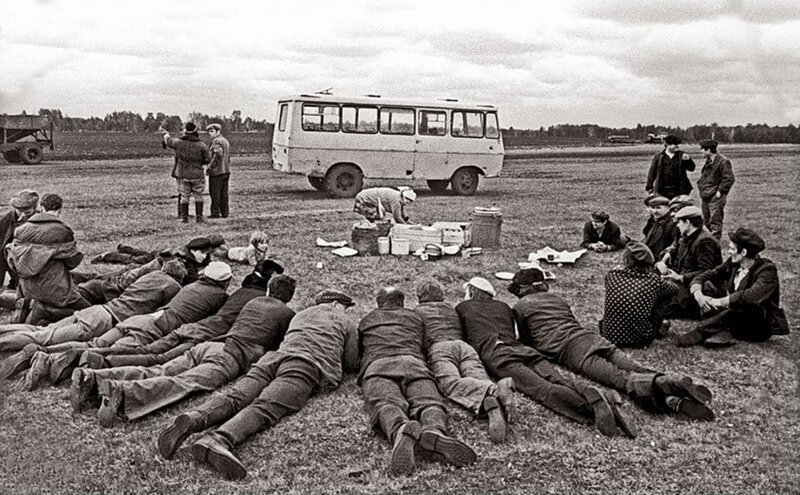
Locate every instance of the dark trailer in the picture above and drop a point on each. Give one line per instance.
(22, 138)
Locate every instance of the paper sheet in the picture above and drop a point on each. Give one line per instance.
(550, 255)
(323, 243)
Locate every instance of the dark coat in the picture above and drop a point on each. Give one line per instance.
(659, 234)
(190, 156)
(760, 288)
(667, 176)
(612, 236)
(696, 253)
(716, 175)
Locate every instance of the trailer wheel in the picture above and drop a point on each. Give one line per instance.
(438, 186)
(465, 181)
(11, 156)
(344, 180)
(317, 183)
(32, 155)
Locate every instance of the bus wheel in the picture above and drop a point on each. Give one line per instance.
(11, 156)
(317, 183)
(438, 186)
(465, 181)
(344, 180)
(32, 155)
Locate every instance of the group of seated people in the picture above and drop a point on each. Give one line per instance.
(150, 336)
(677, 272)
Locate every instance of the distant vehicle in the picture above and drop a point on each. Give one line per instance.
(625, 139)
(24, 136)
(621, 139)
(338, 141)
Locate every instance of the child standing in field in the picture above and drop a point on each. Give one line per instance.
(254, 252)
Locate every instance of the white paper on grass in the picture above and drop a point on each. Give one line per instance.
(557, 256)
(344, 252)
(323, 243)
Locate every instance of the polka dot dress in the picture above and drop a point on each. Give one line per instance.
(630, 299)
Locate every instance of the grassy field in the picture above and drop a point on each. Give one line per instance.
(328, 448)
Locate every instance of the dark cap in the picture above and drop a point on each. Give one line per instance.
(267, 268)
(672, 139)
(748, 239)
(199, 244)
(656, 200)
(600, 216)
(215, 240)
(191, 127)
(528, 276)
(708, 144)
(330, 295)
(637, 253)
(679, 202)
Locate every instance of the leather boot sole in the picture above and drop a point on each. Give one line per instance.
(453, 451)
(497, 422)
(623, 421)
(690, 408)
(40, 368)
(80, 389)
(604, 418)
(19, 361)
(171, 439)
(505, 394)
(61, 366)
(108, 415)
(402, 461)
(221, 460)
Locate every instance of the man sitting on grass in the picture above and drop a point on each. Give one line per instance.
(546, 323)
(187, 335)
(458, 370)
(399, 390)
(751, 307)
(489, 327)
(132, 392)
(53, 363)
(309, 360)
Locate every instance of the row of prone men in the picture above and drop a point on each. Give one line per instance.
(408, 361)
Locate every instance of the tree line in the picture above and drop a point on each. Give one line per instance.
(125, 121)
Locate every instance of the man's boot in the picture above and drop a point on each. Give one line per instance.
(180, 210)
(604, 418)
(198, 211)
(184, 212)
(213, 449)
(20, 361)
(497, 421)
(82, 387)
(402, 462)
(171, 439)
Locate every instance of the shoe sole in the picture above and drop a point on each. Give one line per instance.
(221, 464)
(454, 452)
(107, 416)
(17, 362)
(700, 393)
(623, 420)
(604, 418)
(505, 394)
(695, 410)
(497, 423)
(61, 367)
(173, 437)
(80, 389)
(403, 462)
(31, 381)
(714, 343)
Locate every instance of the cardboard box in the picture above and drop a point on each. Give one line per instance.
(455, 233)
(418, 235)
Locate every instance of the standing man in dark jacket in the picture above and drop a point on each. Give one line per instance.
(191, 154)
(715, 182)
(751, 307)
(399, 389)
(23, 206)
(219, 171)
(43, 254)
(697, 252)
(667, 174)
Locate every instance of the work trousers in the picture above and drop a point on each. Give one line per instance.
(459, 373)
(749, 323)
(713, 215)
(146, 389)
(45, 312)
(218, 189)
(610, 368)
(276, 386)
(118, 357)
(192, 187)
(400, 388)
(81, 326)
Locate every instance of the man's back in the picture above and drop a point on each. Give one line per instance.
(485, 322)
(260, 326)
(441, 322)
(389, 332)
(145, 295)
(546, 323)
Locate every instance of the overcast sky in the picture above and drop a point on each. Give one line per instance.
(610, 62)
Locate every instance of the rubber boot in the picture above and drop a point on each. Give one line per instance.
(198, 211)
(184, 214)
(179, 207)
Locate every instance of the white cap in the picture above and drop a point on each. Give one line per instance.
(217, 270)
(408, 193)
(482, 284)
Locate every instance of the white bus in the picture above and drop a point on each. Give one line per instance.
(338, 141)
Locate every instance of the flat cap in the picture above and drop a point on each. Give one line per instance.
(689, 212)
(27, 198)
(600, 216)
(672, 139)
(656, 200)
(482, 284)
(637, 253)
(267, 268)
(216, 127)
(528, 276)
(331, 295)
(708, 144)
(748, 239)
(680, 201)
(217, 270)
(408, 193)
(215, 240)
(199, 244)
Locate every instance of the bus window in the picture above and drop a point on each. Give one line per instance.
(492, 130)
(320, 117)
(284, 117)
(467, 124)
(360, 119)
(432, 123)
(397, 121)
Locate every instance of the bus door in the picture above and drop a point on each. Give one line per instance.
(430, 157)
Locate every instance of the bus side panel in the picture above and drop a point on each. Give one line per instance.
(386, 164)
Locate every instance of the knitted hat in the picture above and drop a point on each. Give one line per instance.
(218, 271)
(191, 128)
(331, 295)
(637, 253)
